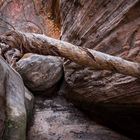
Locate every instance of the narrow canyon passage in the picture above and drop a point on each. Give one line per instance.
(106, 26)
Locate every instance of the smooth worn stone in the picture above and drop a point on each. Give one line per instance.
(13, 111)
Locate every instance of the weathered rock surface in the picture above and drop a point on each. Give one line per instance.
(12, 107)
(112, 27)
(38, 16)
(55, 119)
(15, 13)
(41, 73)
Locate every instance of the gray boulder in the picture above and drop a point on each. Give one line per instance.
(40, 73)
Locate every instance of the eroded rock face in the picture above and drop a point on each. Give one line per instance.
(13, 111)
(56, 119)
(39, 16)
(41, 73)
(112, 27)
(21, 15)
(2, 100)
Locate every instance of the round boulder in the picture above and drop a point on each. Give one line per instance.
(40, 73)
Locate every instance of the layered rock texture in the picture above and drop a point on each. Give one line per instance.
(112, 27)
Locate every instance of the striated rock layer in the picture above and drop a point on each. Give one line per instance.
(112, 27)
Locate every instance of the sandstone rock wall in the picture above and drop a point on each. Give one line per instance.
(112, 27)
